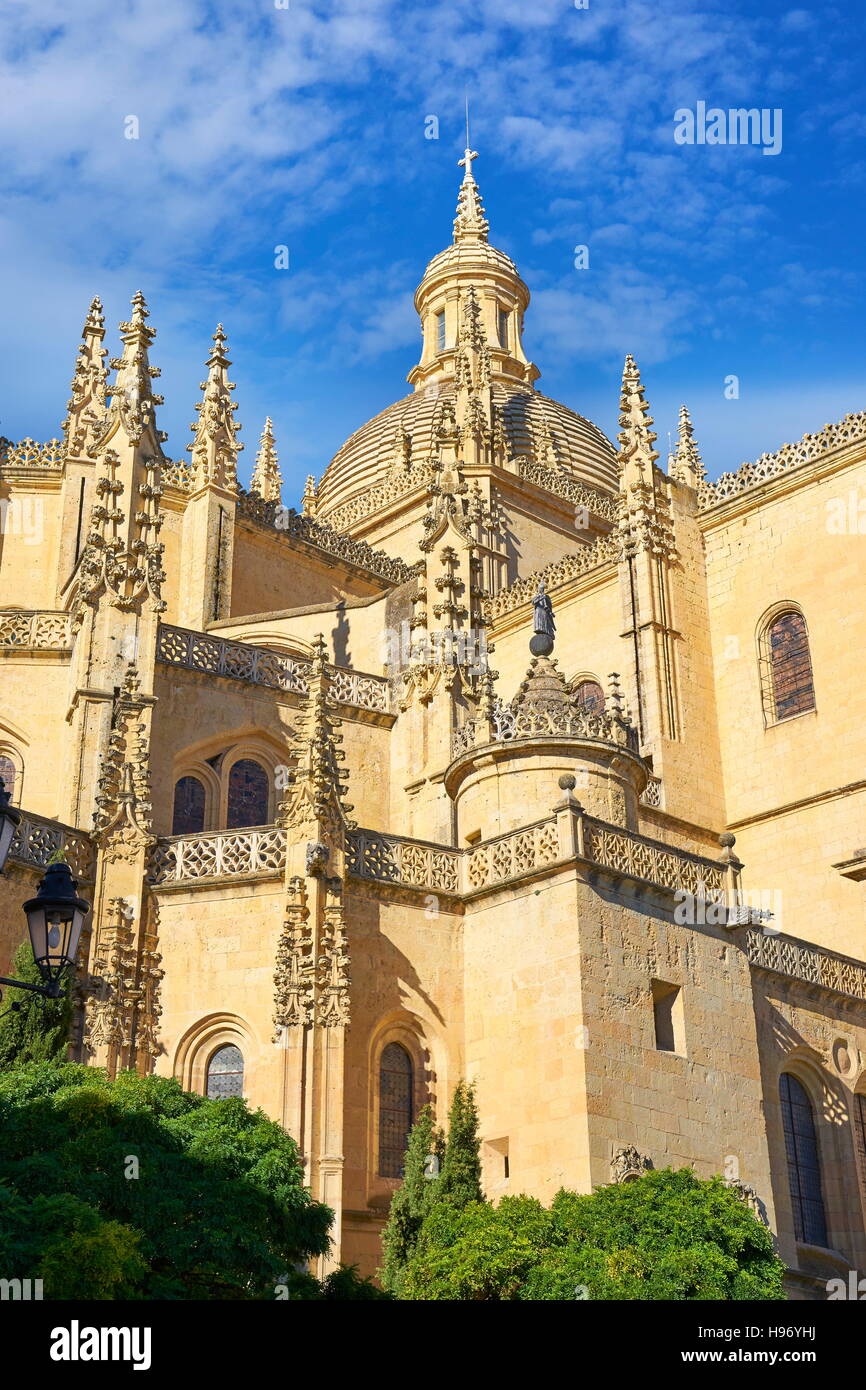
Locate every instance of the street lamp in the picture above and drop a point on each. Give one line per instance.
(54, 919)
(9, 819)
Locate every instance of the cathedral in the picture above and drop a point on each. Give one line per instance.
(512, 754)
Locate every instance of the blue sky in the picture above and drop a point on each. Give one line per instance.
(305, 126)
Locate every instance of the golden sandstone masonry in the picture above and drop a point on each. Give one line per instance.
(348, 840)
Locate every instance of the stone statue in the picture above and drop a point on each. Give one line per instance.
(543, 623)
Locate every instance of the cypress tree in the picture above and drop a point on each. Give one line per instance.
(413, 1200)
(39, 1030)
(460, 1182)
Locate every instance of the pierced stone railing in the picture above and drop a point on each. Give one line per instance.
(531, 720)
(324, 538)
(851, 430)
(196, 651)
(44, 631)
(219, 656)
(177, 474)
(395, 859)
(37, 839)
(256, 853)
(784, 955)
(48, 458)
(512, 855)
(635, 856)
(603, 551)
(415, 864)
(652, 793)
(581, 494)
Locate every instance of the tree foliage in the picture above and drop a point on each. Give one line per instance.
(667, 1235)
(453, 1179)
(37, 1030)
(138, 1189)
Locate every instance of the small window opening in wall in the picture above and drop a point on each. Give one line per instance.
(506, 1172)
(473, 837)
(440, 332)
(668, 1017)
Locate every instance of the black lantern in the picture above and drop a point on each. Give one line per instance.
(9, 819)
(54, 919)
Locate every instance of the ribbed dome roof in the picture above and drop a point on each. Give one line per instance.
(579, 447)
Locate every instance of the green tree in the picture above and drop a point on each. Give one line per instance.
(138, 1189)
(460, 1182)
(668, 1235)
(411, 1202)
(37, 1029)
(453, 1180)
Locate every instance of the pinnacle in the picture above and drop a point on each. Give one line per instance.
(470, 222)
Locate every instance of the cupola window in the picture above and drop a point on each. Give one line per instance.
(440, 332)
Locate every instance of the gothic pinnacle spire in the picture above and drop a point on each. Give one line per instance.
(215, 447)
(86, 407)
(131, 395)
(267, 479)
(685, 463)
(470, 224)
(636, 437)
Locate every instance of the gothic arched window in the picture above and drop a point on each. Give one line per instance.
(804, 1166)
(225, 1073)
(9, 774)
(788, 667)
(590, 696)
(248, 795)
(189, 800)
(395, 1109)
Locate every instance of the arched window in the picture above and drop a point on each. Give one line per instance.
(188, 816)
(590, 696)
(804, 1167)
(225, 1073)
(789, 667)
(248, 795)
(395, 1109)
(440, 332)
(9, 774)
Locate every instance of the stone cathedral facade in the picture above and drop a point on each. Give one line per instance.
(348, 840)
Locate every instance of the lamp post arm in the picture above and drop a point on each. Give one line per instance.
(51, 991)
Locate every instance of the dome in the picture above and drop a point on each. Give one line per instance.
(471, 303)
(534, 424)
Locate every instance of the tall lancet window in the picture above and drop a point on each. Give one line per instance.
(248, 795)
(804, 1164)
(395, 1109)
(189, 799)
(789, 688)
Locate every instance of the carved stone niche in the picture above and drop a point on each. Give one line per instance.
(628, 1164)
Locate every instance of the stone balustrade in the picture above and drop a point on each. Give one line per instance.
(800, 960)
(42, 631)
(530, 720)
(37, 840)
(219, 656)
(259, 852)
(47, 458)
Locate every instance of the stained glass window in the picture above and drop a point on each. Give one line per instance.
(395, 1109)
(590, 696)
(225, 1073)
(790, 666)
(8, 773)
(248, 795)
(188, 817)
(804, 1167)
